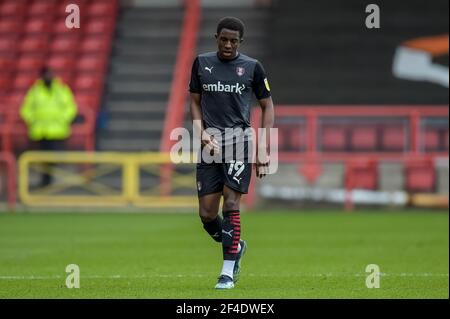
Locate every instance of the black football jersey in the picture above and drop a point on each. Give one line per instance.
(227, 88)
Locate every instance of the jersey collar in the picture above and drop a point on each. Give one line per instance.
(227, 60)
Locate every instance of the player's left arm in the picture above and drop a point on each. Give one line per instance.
(261, 89)
(267, 122)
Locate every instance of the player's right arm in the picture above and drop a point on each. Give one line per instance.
(207, 140)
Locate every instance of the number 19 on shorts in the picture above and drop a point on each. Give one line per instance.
(235, 170)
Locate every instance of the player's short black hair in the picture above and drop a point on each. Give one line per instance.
(231, 23)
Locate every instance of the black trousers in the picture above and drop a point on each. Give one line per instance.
(49, 146)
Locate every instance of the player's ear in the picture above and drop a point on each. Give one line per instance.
(216, 36)
(241, 40)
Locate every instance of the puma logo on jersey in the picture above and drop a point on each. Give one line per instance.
(209, 69)
(227, 232)
(219, 87)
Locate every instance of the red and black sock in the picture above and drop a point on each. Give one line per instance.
(231, 234)
(214, 228)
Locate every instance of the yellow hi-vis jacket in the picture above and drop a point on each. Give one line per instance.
(48, 112)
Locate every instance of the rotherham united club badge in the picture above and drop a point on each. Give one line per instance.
(240, 71)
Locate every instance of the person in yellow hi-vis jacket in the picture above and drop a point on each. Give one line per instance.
(49, 110)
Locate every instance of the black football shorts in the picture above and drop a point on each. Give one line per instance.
(234, 172)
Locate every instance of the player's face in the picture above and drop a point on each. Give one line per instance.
(228, 42)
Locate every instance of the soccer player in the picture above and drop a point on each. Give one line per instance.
(221, 87)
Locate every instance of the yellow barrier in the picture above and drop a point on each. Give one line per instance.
(128, 165)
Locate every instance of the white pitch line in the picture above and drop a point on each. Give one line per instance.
(5, 277)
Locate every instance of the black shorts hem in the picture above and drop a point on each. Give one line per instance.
(203, 194)
(236, 189)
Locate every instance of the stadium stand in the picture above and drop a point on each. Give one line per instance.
(321, 57)
(320, 52)
(376, 148)
(33, 33)
(139, 82)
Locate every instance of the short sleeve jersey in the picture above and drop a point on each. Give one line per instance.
(227, 88)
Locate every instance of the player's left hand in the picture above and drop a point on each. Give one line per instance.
(262, 167)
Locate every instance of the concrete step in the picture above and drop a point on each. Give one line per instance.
(136, 49)
(139, 87)
(153, 64)
(151, 23)
(442, 170)
(127, 125)
(137, 97)
(215, 14)
(145, 57)
(107, 134)
(136, 107)
(140, 77)
(210, 30)
(147, 44)
(129, 145)
(146, 14)
(144, 32)
(138, 69)
(138, 53)
(136, 116)
(390, 176)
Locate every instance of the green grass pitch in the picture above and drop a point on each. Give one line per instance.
(312, 254)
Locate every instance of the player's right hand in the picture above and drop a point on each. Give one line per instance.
(210, 143)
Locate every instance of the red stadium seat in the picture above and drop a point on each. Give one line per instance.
(38, 26)
(61, 63)
(333, 138)
(23, 82)
(364, 139)
(9, 27)
(8, 47)
(96, 44)
(282, 139)
(34, 44)
(60, 28)
(62, 15)
(90, 101)
(65, 45)
(14, 9)
(5, 83)
(420, 176)
(361, 174)
(65, 76)
(394, 138)
(102, 9)
(431, 140)
(88, 83)
(296, 138)
(7, 65)
(42, 8)
(91, 64)
(100, 27)
(62, 5)
(30, 63)
(15, 99)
